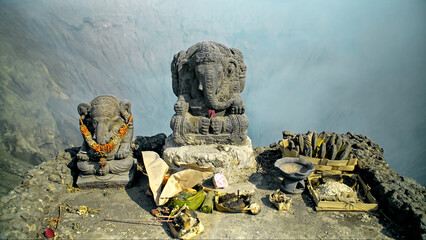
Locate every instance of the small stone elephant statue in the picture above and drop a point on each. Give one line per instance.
(107, 127)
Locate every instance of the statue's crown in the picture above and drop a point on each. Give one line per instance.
(208, 52)
(105, 99)
(106, 105)
(207, 57)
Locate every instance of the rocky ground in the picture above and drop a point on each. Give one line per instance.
(27, 210)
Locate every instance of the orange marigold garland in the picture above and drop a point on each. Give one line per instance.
(102, 150)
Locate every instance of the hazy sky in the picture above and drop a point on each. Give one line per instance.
(329, 66)
(337, 66)
(343, 66)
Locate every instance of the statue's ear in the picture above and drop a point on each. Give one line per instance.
(125, 109)
(179, 62)
(83, 109)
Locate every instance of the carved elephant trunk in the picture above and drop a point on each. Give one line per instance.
(101, 135)
(210, 77)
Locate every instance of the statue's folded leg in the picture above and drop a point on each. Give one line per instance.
(87, 167)
(118, 166)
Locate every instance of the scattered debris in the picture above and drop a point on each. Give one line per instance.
(161, 212)
(222, 148)
(280, 200)
(54, 222)
(335, 189)
(49, 233)
(231, 202)
(136, 220)
(186, 224)
(76, 226)
(82, 211)
(71, 189)
(365, 218)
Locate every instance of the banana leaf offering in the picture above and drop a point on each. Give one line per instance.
(192, 197)
(207, 206)
(236, 203)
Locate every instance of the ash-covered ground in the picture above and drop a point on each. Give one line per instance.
(27, 210)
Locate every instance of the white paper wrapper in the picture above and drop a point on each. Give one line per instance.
(186, 176)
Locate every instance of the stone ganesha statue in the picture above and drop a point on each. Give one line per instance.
(208, 79)
(107, 127)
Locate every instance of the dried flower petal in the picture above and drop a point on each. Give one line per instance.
(49, 233)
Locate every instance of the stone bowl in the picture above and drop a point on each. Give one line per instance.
(294, 168)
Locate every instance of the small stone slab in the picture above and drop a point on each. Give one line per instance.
(237, 162)
(111, 180)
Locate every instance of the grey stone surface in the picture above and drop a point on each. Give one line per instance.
(237, 162)
(24, 210)
(103, 119)
(208, 79)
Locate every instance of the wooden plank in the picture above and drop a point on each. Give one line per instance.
(312, 160)
(324, 164)
(371, 198)
(315, 175)
(290, 153)
(314, 195)
(328, 205)
(337, 162)
(346, 168)
(332, 172)
(363, 185)
(340, 206)
(311, 189)
(323, 161)
(352, 161)
(323, 168)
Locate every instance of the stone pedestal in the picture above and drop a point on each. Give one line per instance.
(237, 162)
(111, 180)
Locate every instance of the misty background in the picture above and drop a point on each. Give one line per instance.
(337, 66)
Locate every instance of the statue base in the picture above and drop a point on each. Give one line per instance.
(237, 162)
(111, 180)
